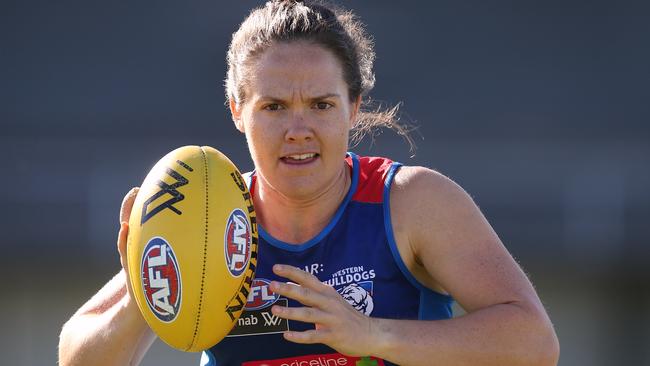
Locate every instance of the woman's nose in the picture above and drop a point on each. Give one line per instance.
(298, 129)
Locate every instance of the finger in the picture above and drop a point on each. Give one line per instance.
(299, 276)
(127, 204)
(304, 295)
(303, 314)
(307, 336)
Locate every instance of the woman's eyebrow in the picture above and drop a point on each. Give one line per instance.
(325, 96)
(268, 98)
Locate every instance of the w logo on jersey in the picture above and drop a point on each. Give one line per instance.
(359, 296)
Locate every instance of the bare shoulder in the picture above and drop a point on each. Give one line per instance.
(435, 211)
(418, 191)
(444, 237)
(425, 205)
(429, 207)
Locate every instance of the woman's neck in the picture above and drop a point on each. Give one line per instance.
(297, 220)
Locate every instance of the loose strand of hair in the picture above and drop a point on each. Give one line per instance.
(373, 117)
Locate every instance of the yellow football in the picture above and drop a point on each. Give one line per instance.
(192, 247)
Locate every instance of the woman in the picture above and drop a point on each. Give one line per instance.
(377, 249)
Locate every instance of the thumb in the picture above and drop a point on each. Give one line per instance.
(121, 244)
(127, 204)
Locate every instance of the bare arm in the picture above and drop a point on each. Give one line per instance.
(448, 245)
(108, 329)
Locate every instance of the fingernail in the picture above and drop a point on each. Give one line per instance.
(278, 267)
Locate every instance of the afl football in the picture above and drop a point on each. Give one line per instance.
(192, 247)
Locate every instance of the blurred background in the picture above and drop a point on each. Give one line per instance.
(539, 109)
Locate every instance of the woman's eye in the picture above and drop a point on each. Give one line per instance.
(323, 105)
(273, 107)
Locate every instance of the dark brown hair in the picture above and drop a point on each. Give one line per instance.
(323, 24)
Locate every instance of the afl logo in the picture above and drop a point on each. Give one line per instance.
(161, 279)
(237, 242)
(261, 295)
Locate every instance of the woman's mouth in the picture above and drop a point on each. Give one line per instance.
(299, 159)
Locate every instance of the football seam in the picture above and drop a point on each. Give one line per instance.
(205, 249)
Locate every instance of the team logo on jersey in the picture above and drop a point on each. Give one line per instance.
(355, 284)
(237, 242)
(161, 279)
(359, 295)
(261, 295)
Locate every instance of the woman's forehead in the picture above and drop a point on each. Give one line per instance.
(296, 67)
(286, 51)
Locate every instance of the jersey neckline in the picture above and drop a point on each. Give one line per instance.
(335, 219)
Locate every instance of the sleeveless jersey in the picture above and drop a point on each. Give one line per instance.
(356, 254)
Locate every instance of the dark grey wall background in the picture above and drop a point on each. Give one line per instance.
(539, 109)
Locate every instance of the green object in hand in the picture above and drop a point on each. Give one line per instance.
(366, 361)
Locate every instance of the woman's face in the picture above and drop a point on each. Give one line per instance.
(296, 117)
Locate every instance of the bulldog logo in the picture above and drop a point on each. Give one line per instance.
(359, 298)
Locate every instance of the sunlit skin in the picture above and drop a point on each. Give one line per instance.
(296, 103)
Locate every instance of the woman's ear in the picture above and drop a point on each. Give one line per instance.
(235, 111)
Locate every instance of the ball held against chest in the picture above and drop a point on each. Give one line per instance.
(192, 247)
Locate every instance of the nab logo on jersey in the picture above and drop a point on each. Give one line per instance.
(237, 242)
(161, 279)
(261, 295)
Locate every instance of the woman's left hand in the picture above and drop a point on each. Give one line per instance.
(338, 324)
